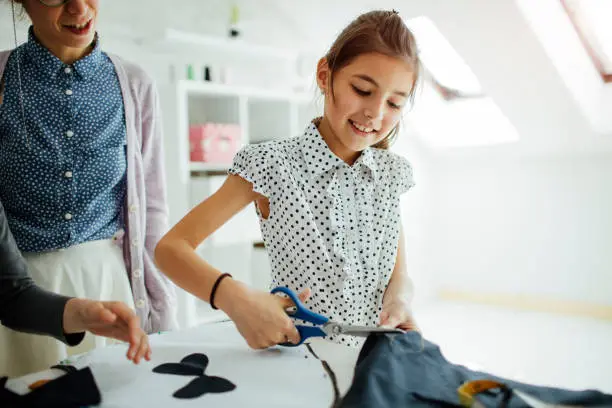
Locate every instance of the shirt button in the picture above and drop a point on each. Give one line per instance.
(67, 216)
(135, 242)
(140, 303)
(69, 133)
(68, 174)
(67, 70)
(69, 92)
(133, 208)
(137, 273)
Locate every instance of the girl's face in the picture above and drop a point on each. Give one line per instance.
(369, 95)
(66, 29)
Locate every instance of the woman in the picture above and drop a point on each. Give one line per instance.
(81, 173)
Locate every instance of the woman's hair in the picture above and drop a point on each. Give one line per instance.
(378, 31)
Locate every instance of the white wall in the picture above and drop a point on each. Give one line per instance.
(523, 226)
(417, 213)
(481, 219)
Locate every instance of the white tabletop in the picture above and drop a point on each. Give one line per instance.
(280, 376)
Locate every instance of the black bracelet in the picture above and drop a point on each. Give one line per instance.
(214, 289)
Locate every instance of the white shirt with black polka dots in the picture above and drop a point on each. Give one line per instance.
(332, 227)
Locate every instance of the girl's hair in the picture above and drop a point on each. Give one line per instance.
(378, 31)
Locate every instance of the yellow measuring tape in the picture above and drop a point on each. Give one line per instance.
(468, 391)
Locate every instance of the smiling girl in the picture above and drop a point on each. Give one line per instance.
(327, 200)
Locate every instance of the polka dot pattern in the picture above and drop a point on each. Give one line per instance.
(68, 186)
(332, 227)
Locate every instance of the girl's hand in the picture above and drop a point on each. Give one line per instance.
(397, 313)
(260, 316)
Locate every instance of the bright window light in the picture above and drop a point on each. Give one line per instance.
(468, 118)
(440, 58)
(463, 123)
(592, 20)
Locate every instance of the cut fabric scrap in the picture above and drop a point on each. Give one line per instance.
(195, 364)
(204, 385)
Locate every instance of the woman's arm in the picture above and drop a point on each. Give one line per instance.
(28, 308)
(161, 292)
(23, 305)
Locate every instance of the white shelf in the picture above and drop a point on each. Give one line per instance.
(216, 89)
(197, 166)
(263, 109)
(227, 45)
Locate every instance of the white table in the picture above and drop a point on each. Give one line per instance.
(277, 377)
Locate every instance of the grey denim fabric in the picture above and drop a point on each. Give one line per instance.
(404, 370)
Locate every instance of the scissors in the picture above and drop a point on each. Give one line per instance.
(323, 326)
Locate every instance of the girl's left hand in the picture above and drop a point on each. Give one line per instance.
(397, 314)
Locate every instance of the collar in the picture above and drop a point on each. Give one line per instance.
(319, 158)
(51, 65)
(367, 159)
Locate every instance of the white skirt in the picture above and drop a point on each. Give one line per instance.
(94, 270)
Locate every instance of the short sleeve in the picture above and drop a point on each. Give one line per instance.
(254, 163)
(403, 175)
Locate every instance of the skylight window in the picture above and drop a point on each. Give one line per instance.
(592, 20)
(463, 123)
(444, 67)
(451, 109)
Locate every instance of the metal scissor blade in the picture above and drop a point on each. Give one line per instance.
(358, 331)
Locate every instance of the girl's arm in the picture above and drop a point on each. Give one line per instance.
(259, 316)
(175, 254)
(400, 284)
(396, 311)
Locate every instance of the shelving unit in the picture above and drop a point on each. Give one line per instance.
(260, 97)
(172, 37)
(262, 115)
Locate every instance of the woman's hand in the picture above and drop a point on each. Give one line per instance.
(259, 316)
(109, 319)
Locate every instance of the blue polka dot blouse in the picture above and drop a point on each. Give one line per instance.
(63, 170)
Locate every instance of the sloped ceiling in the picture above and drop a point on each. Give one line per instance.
(496, 38)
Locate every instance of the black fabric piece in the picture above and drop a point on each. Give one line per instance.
(393, 370)
(65, 368)
(204, 385)
(195, 365)
(7, 398)
(178, 369)
(74, 390)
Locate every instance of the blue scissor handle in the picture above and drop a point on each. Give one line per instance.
(303, 313)
(306, 332)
